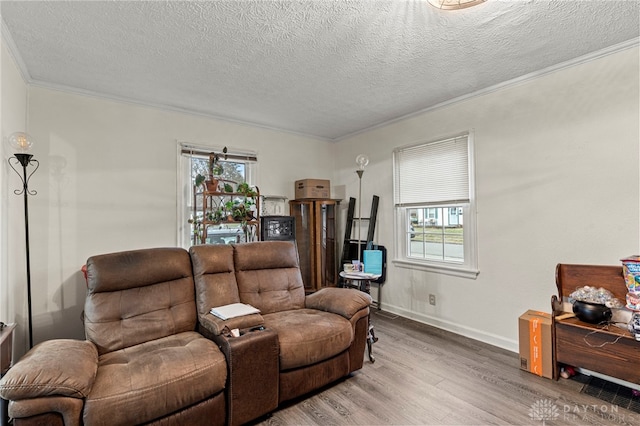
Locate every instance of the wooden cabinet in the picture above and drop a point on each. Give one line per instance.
(613, 352)
(6, 344)
(315, 223)
(604, 349)
(225, 217)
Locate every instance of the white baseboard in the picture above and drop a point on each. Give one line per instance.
(463, 330)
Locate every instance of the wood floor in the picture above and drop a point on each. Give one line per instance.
(426, 376)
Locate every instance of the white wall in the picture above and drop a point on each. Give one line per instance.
(557, 181)
(13, 118)
(107, 182)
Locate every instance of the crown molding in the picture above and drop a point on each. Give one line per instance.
(7, 39)
(634, 42)
(163, 107)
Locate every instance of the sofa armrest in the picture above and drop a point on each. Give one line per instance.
(214, 326)
(342, 301)
(60, 367)
(48, 410)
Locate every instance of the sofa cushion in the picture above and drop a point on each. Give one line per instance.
(271, 290)
(137, 296)
(268, 275)
(308, 336)
(54, 367)
(144, 382)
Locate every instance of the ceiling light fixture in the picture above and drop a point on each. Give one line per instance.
(454, 4)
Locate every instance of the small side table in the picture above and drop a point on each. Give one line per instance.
(362, 282)
(6, 344)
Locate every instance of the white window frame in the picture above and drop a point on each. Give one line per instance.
(469, 267)
(184, 183)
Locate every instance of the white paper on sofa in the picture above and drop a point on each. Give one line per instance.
(234, 310)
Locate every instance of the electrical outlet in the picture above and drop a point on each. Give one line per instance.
(432, 299)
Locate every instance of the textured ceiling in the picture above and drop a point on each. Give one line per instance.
(323, 68)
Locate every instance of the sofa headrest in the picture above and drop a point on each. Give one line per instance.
(266, 255)
(211, 259)
(136, 268)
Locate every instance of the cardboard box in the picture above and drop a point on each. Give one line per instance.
(313, 188)
(536, 351)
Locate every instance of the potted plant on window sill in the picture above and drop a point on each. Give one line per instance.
(215, 170)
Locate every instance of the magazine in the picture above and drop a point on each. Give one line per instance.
(233, 310)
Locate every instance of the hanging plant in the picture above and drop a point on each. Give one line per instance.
(199, 180)
(197, 229)
(215, 168)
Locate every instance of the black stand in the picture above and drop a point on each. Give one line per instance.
(26, 160)
(362, 283)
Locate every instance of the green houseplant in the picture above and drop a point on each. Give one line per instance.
(215, 170)
(245, 189)
(200, 179)
(215, 167)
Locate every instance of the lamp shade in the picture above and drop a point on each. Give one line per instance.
(20, 141)
(362, 161)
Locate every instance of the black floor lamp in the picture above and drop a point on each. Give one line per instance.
(22, 143)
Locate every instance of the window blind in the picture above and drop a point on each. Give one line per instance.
(191, 150)
(431, 173)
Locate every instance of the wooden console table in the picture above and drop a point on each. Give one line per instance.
(608, 350)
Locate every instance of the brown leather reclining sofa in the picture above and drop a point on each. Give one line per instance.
(154, 354)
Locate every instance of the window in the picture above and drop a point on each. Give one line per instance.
(193, 160)
(435, 206)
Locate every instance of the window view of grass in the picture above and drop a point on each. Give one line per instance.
(438, 234)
